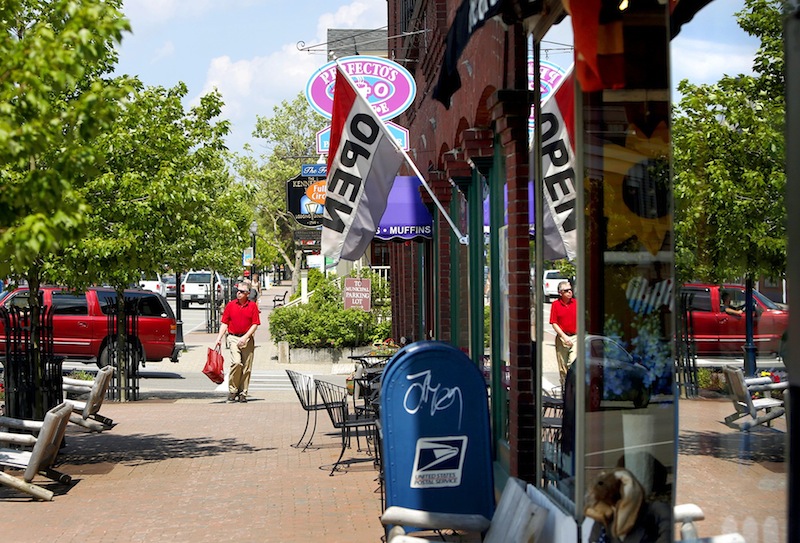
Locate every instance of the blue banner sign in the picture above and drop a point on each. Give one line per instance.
(436, 446)
(314, 170)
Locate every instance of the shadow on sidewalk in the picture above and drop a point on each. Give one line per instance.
(137, 449)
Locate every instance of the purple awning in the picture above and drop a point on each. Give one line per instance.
(406, 217)
(531, 211)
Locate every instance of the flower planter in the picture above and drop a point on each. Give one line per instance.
(337, 357)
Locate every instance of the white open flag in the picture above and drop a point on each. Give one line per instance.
(362, 163)
(558, 167)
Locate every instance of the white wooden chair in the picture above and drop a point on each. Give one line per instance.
(687, 514)
(41, 458)
(86, 413)
(749, 411)
(516, 519)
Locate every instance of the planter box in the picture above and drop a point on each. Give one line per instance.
(337, 357)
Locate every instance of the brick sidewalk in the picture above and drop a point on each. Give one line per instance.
(200, 470)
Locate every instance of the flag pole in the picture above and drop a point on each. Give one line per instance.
(462, 238)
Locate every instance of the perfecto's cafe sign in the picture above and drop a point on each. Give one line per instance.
(388, 87)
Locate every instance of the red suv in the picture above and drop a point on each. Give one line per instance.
(717, 332)
(80, 322)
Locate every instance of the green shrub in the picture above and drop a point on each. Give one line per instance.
(81, 374)
(711, 379)
(323, 321)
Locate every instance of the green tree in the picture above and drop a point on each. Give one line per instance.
(53, 101)
(728, 141)
(164, 197)
(290, 141)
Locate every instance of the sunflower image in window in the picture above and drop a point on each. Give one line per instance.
(637, 189)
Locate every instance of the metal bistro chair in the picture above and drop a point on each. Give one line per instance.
(335, 399)
(552, 421)
(306, 392)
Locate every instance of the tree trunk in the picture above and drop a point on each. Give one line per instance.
(39, 402)
(122, 366)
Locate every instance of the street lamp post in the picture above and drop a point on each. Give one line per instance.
(253, 231)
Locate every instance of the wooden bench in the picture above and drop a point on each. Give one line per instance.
(516, 519)
(747, 410)
(279, 299)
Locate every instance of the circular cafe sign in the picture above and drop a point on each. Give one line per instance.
(387, 86)
(550, 75)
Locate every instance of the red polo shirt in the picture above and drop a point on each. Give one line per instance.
(565, 315)
(240, 317)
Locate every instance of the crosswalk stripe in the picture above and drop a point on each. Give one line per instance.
(270, 380)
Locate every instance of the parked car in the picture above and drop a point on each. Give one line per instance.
(718, 333)
(196, 288)
(81, 323)
(550, 281)
(613, 374)
(153, 283)
(170, 285)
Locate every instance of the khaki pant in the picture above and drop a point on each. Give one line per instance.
(564, 356)
(241, 365)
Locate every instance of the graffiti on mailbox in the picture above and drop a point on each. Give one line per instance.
(439, 462)
(437, 398)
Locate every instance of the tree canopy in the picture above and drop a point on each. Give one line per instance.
(53, 103)
(163, 198)
(290, 140)
(729, 156)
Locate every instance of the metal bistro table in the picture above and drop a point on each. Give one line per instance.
(367, 385)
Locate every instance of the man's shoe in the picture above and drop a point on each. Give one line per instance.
(232, 397)
(242, 398)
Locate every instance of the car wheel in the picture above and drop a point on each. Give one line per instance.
(641, 398)
(102, 360)
(782, 349)
(105, 356)
(184, 305)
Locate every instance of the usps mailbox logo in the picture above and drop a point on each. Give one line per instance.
(439, 462)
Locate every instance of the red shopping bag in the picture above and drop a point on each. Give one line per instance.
(215, 365)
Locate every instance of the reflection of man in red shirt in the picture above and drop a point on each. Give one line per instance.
(564, 318)
(239, 321)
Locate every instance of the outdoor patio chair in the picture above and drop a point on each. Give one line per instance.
(686, 514)
(516, 519)
(552, 424)
(335, 399)
(86, 413)
(41, 458)
(747, 408)
(306, 392)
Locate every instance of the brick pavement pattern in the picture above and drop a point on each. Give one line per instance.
(200, 470)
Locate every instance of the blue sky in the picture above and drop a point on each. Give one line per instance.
(248, 48)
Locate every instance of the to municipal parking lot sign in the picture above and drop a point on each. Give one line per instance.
(357, 293)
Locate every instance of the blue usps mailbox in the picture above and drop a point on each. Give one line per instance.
(435, 424)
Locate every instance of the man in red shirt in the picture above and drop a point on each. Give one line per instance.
(564, 318)
(240, 319)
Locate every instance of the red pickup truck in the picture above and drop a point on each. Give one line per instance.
(721, 333)
(80, 322)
